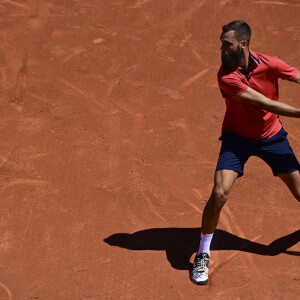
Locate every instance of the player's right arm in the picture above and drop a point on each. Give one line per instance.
(252, 97)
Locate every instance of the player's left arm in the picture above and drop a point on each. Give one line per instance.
(297, 80)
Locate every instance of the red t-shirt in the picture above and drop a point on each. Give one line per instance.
(245, 119)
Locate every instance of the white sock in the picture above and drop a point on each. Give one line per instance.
(205, 243)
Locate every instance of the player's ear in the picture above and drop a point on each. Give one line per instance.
(244, 44)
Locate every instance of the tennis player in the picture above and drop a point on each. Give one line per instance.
(249, 83)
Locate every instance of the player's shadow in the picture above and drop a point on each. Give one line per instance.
(181, 243)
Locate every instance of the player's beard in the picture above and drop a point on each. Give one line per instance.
(232, 60)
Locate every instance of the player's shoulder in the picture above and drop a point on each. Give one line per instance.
(267, 59)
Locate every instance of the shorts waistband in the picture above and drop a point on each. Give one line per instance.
(227, 136)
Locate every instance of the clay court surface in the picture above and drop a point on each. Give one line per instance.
(110, 116)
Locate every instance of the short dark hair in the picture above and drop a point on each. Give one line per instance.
(241, 30)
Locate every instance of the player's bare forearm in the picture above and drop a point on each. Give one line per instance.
(257, 99)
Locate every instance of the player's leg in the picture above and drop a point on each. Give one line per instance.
(234, 153)
(224, 180)
(292, 180)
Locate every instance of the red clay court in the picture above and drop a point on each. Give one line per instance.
(110, 115)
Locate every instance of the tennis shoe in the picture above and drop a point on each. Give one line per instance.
(199, 272)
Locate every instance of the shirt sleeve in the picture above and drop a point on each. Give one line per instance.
(231, 85)
(285, 71)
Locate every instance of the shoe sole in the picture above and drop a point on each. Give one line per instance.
(198, 282)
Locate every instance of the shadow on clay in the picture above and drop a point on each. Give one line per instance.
(181, 243)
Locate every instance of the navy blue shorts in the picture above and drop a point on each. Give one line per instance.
(275, 151)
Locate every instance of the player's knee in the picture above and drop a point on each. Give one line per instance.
(218, 198)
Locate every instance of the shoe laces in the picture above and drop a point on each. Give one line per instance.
(201, 263)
